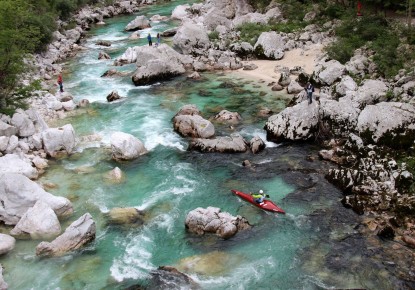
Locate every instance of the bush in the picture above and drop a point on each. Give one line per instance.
(250, 32)
(214, 35)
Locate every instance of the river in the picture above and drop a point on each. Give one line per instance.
(314, 246)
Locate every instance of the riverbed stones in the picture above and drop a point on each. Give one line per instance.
(7, 244)
(79, 233)
(213, 220)
(12, 163)
(194, 126)
(39, 222)
(224, 144)
(103, 55)
(58, 140)
(19, 193)
(140, 22)
(125, 146)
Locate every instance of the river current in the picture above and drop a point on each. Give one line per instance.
(314, 246)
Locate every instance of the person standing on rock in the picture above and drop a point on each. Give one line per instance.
(310, 90)
(150, 43)
(60, 83)
(158, 39)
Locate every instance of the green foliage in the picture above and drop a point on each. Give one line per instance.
(214, 35)
(250, 32)
(259, 5)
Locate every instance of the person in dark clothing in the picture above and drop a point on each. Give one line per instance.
(158, 39)
(310, 90)
(150, 43)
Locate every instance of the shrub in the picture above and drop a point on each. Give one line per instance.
(214, 35)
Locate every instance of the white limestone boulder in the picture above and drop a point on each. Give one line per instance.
(19, 193)
(388, 123)
(23, 124)
(79, 233)
(180, 12)
(270, 45)
(296, 123)
(60, 139)
(140, 22)
(7, 244)
(226, 116)
(39, 222)
(193, 126)
(7, 130)
(12, 163)
(329, 72)
(126, 147)
(371, 92)
(191, 39)
(227, 144)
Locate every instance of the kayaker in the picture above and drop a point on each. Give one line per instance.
(259, 197)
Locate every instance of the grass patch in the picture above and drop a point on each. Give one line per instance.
(214, 35)
(250, 32)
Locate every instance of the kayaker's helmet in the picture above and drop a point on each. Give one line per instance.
(261, 191)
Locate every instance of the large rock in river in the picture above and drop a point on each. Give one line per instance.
(155, 71)
(12, 163)
(59, 139)
(388, 123)
(296, 123)
(140, 22)
(193, 126)
(7, 244)
(212, 220)
(126, 147)
(39, 222)
(18, 193)
(79, 233)
(228, 144)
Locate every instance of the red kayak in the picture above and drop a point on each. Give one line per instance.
(266, 205)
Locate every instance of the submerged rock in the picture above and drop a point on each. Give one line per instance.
(167, 278)
(125, 216)
(115, 176)
(226, 116)
(212, 220)
(79, 233)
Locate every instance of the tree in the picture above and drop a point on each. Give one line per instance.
(19, 36)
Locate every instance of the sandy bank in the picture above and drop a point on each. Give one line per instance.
(307, 59)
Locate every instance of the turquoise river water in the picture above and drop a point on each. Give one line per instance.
(314, 246)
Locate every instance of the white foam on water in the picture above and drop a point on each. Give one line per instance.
(134, 263)
(252, 132)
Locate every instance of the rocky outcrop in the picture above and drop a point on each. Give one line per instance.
(79, 233)
(391, 124)
(126, 147)
(58, 140)
(228, 144)
(39, 222)
(18, 193)
(140, 22)
(193, 126)
(296, 123)
(370, 93)
(328, 72)
(12, 163)
(212, 220)
(257, 144)
(270, 45)
(113, 96)
(7, 244)
(191, 39)
(226, 116)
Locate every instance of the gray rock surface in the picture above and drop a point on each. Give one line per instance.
(329, 72)
(3, 284)
(59, 139)
(391, 124)
(23, 124)
(7, 130)
(12, 163)
(7, 244)
(191, 39)
(228, 144)
(212, 220)
(19, 193)
(193, 126)
(126, 147)
(256, 144)
(226, 116)
(270, 45)
(140, 22)
(79, 233)
(39, 222)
